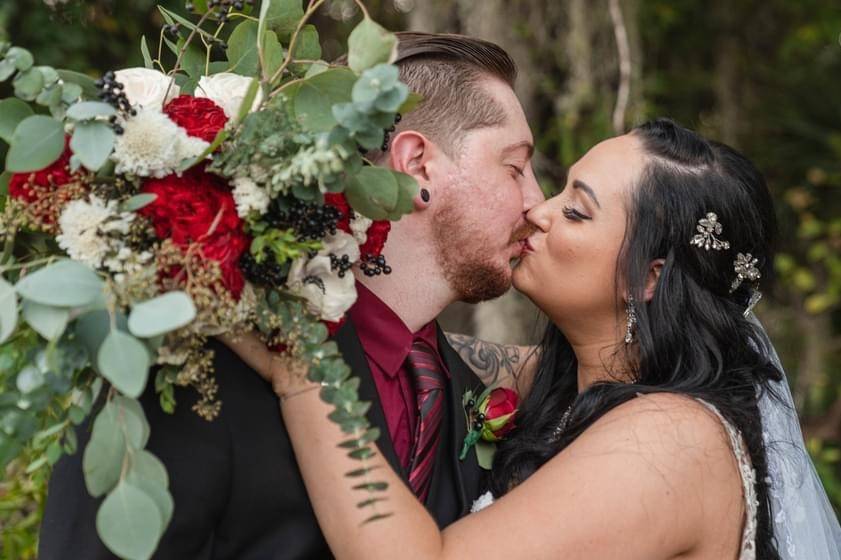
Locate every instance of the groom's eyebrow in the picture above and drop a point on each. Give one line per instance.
(581, 185)
(518, 146)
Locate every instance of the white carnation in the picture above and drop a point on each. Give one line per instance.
(328, 295)
(85, 225)
(249, 197)
(227, 90)
(146, 87)
(359, 227)
(153, 145)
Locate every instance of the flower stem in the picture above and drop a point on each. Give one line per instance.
(313, 6)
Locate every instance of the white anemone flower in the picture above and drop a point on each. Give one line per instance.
(329, 295)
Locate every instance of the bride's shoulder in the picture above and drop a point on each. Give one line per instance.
(685, 431)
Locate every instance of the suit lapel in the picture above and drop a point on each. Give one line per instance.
(468, 473)
(354, 355)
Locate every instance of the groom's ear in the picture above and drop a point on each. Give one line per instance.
(410, 152)
(654, 270)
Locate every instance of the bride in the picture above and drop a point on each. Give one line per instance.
(640, 434)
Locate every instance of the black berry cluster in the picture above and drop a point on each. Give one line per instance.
(266, 273)
(111, 92)
(342, 264)
(222, 7)
(388, 131)
(374, 265)
(171, 30)
(310, 220)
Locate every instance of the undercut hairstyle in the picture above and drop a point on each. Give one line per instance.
(448, 71)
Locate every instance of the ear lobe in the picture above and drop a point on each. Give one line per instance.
(654, 270)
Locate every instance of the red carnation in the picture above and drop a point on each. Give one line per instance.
(199, 116)
(198, 207)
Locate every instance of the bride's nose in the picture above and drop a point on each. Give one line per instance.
(540, 216)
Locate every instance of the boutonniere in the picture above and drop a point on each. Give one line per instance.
(490, 416)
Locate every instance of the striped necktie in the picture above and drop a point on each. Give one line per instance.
(429, 386)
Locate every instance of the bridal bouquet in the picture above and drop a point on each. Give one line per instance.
(153, 208)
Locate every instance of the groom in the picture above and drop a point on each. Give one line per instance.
(237, 489)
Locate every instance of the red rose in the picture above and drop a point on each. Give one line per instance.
(198, 207)
(499, 408)
(54, 175)
(199, 116)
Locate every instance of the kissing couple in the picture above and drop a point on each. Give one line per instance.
(654, 420)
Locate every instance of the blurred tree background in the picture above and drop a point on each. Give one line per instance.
(763, 76)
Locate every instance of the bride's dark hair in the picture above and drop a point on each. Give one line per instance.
(692, 338)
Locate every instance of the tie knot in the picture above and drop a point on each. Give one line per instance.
(425, 366)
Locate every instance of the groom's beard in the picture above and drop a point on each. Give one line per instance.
(465, 258)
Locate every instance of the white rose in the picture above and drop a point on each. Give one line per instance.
(227, 90)
(146, 87)
(328, 295)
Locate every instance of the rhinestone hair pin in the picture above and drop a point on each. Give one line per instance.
(708, 227)
(745, 267)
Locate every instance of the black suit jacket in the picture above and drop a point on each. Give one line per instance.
(237, 489)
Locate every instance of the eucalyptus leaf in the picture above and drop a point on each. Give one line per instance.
(144, 50)
(147, 466)
(46, 320)
(85, 110)
(307, 46)
(282, 17)
(412, 102)
(28, 84)
(315, 97)
(49, 73)
(92, 327)
(129, 415)
(161, 315)
(137, 202)
(93, 142)
(8, 310)
(124, 361)
(66, 283)
(129, 522)
(242, 49)
(87, 83)
(370, 44)
(20, 57)
(7, 69)
(50, 96)
(70, 92)
(374, 192)
(103, 457)
(12, 112)
(36, 143)
(407, 191)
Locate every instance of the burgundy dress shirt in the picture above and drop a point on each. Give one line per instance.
(386, 341)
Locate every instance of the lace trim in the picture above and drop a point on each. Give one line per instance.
(748, 474)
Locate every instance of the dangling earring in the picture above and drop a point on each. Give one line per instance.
(631, 310)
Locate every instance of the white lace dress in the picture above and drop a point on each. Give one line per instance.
(746, 470)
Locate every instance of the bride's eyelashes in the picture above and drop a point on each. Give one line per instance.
(573, 214)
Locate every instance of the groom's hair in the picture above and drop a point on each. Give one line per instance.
(447, 71)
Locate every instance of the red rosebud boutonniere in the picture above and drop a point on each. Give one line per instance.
(490, 416)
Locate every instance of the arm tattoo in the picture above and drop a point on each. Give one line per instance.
(488, 360)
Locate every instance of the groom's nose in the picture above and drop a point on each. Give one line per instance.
(532, 194)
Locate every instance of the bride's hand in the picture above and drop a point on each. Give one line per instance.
(286, 375)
